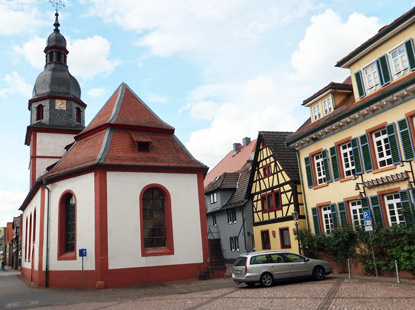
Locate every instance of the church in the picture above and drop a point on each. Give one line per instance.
(115, 203)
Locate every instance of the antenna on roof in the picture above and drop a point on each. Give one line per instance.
(57, 4)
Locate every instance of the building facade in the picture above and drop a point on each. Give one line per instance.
(356, 151)
(275, 190)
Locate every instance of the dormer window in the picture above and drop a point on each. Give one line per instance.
(399, 61)
(141, 141)
(316, 111)
(371, 78)
(143, 147)
(327, 106)
(39, 112)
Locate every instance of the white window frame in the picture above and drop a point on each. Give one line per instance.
(327, 106)
(394, 209)
(319, 168)
(382, 148)
(399, 59)
(316, 111)
(234, 243)
(231, 216)
(214, 222)
(371, 79)
(213, 197)
(346, 153)
(328, 224)
(356, 213)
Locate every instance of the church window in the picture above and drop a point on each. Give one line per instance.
(78, 115)
(30, 237)
(39, 112)
(67, 227)
(25, 244)
(58, 56)
(156, 222)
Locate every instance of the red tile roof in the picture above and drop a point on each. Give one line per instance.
(112, 135)
(231, 162)
(347, 85)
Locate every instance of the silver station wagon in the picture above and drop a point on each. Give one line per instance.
(268, 266)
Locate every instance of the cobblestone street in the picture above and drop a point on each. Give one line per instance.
(336, 292)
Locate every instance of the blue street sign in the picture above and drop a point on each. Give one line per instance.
(366, 215)
(82, 252)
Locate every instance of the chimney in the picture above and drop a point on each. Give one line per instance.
(246, 141)
(235, 147)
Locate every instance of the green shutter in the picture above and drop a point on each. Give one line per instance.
(377, 210)
(359, 83)
(365, 204)
(316, 221)
(333, 210)
(393, 143)
(366, 154)
(383, 69)
(406, 139)
(406, 207)
(309, 171)
(334, 163)
(343, 213)
(410, 53)
(326, 165)
(356, 156)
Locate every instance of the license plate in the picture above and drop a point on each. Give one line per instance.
(237, 271)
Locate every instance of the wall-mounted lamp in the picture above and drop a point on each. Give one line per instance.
(357, 186)
(409, 172)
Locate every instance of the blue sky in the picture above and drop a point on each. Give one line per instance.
(216, 70)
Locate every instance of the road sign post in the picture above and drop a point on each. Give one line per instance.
(368, 227)
(82, 254)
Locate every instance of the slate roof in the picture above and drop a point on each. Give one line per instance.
(285, 156)
(231, 162)
(110, 139)
(228, 180)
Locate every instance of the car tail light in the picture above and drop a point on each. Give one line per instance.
(246, 266)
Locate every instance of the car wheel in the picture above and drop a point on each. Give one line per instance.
(266, 279)
(250, 284)
(319, 273)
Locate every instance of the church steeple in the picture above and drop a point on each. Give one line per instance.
(57, 112)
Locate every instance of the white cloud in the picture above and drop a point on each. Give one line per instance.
(204, 110)
(19, 17)
(155, 98)
(32, 50)
(10, 202)
(326, 41)
(15, 85)
(96, 92)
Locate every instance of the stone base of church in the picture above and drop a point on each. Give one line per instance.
(113, 277)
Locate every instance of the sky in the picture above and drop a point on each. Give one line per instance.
(215, 70)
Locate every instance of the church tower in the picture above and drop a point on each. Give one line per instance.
(57, 112)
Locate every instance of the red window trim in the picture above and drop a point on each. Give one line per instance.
(281, 237)
(262, 239)
(382, 195)
(279, 200)
(266, 171)
(274, 208)
(169, 249)
(61, 228)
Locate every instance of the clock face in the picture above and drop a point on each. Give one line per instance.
(60, 104)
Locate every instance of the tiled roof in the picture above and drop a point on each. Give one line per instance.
(228, 180)
(347, 85)
(238, 197)
(350, 106)
(285, 156)
(381, 33)
(105, 142)
(231, 162)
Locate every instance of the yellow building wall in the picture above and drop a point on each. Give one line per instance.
(381, 50)
(339, 190)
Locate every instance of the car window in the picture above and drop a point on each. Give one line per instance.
(259, 259)
(276, 258)
(293, 257)
(240, 261)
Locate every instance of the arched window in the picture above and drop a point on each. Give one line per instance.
(25, 243)
(67, 227)
(34, 227)
(30, 238)
(39, 112)
(156, 221)
(78, 115)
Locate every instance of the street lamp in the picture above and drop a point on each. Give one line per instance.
(296, 216)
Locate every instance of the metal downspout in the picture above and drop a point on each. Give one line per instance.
(47, 237)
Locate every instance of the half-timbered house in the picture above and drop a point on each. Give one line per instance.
(275, 190)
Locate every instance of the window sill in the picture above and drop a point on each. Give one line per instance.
(384, 169)
(346, 179)
(320, 186)
(157, 252)
(67, 256)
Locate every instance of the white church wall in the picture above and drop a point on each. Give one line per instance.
(30, 210)
(124, 240)
(83, 189)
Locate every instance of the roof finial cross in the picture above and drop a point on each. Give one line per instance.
(57, 4)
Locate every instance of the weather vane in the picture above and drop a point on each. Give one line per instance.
(57, 4)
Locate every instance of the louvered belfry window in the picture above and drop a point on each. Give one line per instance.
(154, 218)
(69, 223)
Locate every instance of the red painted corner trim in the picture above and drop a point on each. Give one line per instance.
(203, 220)
(169, 249)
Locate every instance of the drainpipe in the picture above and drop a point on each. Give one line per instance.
(302, 190)
(47, 237)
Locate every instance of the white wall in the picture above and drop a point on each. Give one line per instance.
(30, 209)
(124, 240)
(83, 188)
